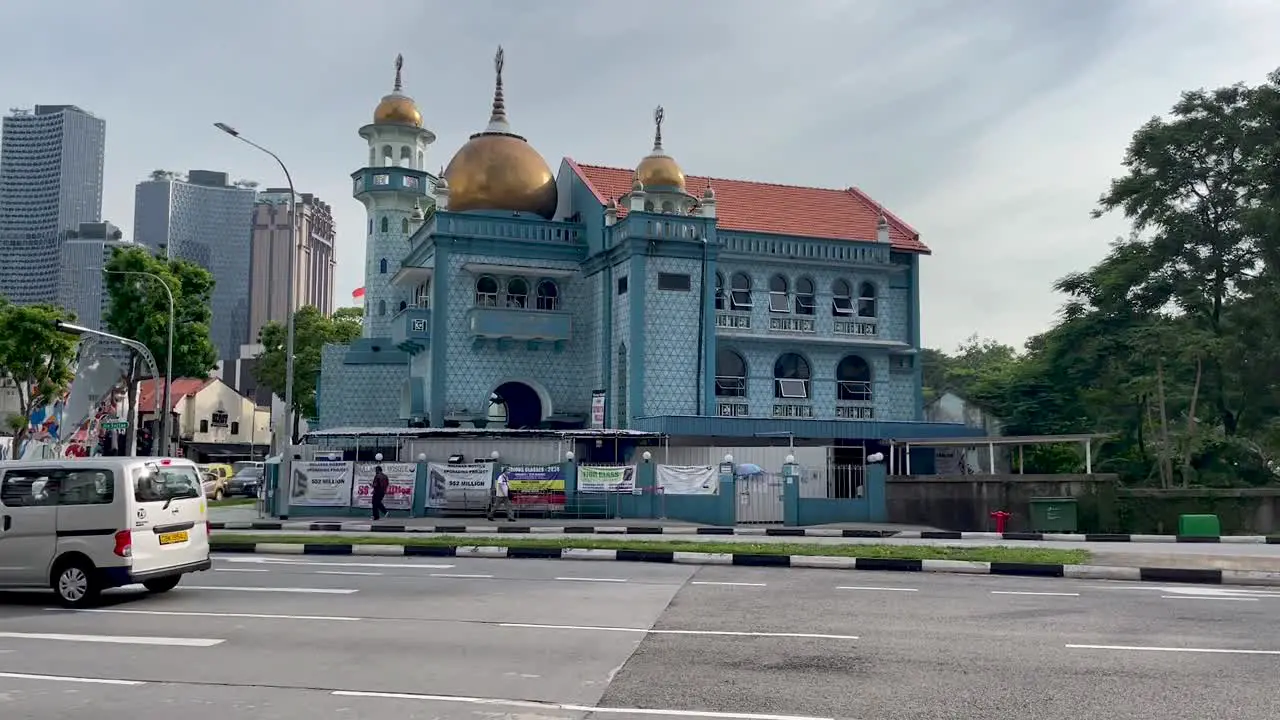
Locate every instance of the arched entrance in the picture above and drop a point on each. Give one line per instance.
(515, 405)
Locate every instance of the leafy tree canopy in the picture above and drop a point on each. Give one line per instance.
(37, 358)
(312, 331)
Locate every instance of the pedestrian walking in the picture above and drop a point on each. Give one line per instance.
(380, 484)
(501, 497)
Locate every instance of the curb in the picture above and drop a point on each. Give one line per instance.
(747, 531)
(963, 567)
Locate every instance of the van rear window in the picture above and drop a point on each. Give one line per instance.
(162, 483)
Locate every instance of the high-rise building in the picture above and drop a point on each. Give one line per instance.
(85, 253)
(203, 218)
(50, 181)
(315, 260)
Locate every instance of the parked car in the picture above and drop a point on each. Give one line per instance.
(247, 483)
(214, 486)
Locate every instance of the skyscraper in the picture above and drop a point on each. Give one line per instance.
(315, 261)
(205, 219)
(50, 181)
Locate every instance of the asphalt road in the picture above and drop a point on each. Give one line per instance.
(349, 637)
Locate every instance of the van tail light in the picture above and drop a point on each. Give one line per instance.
(124, 543)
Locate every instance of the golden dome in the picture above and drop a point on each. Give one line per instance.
(397, 108)
(658, 169)
(498, 170)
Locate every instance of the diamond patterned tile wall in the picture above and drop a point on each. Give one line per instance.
(366, 395)
(671, 362)
(618, 383)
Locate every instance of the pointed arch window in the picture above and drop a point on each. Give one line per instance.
(853, 379)
(517, 293)
(806, 299)
(422, 295)
(403, 306)
(721, 300)
(791, 377)
(779, 295)
(404, 225)
(548, 295)
(382, 266)
(382, 308)
(841, 299)
(740, 292)
(487, 292)
(867, 300)
(385, 225)
(731, 374)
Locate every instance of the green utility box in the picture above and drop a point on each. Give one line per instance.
(1054, 515)
(1200, 526)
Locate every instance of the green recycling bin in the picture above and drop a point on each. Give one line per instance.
(1054, 515)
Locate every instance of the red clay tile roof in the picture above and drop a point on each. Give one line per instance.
(182, 387)
(747, 206)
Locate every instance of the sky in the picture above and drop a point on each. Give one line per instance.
(991, 126)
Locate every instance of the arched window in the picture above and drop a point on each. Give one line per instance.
(720, 298)
(422, 295)
(806, 300)
(731, 374)
(853, 379)
(487, 292)
(517, 293)
(404, 225)
(406, 156)
(382, 307)
(387, 158)
(648, 206)
(403, 305)
(740, 292)
(867, 300)
(779, 295)
(548, 295)
(668, 206)
(791, 377)
(382, 266)
(386, 226)
(841, 299)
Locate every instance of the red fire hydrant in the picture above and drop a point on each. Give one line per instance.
(1001, 518)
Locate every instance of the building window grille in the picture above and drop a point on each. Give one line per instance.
(487, 292)
(517, 293)
(548, 295)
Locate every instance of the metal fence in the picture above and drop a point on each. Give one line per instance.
(759, 498)
(834, 482)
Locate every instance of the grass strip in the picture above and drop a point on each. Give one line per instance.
(232, 502)
(897, 552)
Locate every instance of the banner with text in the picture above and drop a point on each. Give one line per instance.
(535, 484)
(320, 483)
(403, 477)
(594, 479)
(688, 479)
(460, 485)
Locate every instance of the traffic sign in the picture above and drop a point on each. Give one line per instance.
(115, 425)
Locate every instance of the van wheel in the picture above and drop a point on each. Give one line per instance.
(76, 584)
(162, 585)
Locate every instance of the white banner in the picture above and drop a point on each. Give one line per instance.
(459, 485)
(606, 479)
(689, 479)
(403, 477)
(321, 483)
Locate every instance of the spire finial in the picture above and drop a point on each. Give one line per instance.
(499, 115)
(658, 115)
(399, 66)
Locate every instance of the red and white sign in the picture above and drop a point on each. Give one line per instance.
(403, 477)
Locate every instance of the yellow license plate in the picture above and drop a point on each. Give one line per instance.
(173, 538)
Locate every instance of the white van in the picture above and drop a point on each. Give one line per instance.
(82, 525)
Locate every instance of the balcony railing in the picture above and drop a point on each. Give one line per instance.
(494, 323)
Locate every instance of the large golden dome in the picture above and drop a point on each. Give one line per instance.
(658, 169)
(397, 108)
(498, 170)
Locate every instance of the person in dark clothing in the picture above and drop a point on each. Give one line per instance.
(380, 484)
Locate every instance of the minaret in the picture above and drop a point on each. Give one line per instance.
(390, 185)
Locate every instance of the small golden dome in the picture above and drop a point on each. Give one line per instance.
(498, 170)
(658, 169)
(397, 108)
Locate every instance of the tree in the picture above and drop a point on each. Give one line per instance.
(37, 358)
(138, 309)
(312, 331)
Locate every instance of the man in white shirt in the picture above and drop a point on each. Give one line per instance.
(501, 497)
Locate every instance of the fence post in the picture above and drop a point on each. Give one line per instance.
(646, 484)
(420, 486)
(877, 499)
(791, 493)
(728, 493)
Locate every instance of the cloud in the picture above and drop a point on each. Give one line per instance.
(991, 127)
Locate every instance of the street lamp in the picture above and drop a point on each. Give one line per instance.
(166, 420)
(289, 277)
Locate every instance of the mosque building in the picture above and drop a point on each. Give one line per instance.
(499, 293)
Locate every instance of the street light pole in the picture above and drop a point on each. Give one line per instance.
(291, 292)
(166, 420)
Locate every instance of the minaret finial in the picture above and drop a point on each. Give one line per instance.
(399, 66)
(658, 115)
(499, 115)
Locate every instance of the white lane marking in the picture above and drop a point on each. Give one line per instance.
(590, 579)
(460, 575)
(650, 631)
(303, 591)
(1201, 597)
(572, 708)
(241, 570)
(726, 584)
(62, 678)
(115, 639)
(1221, 651)
(1028, 592)
(877, 589)
(348, 572)
(307, 563)
(182, 613)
